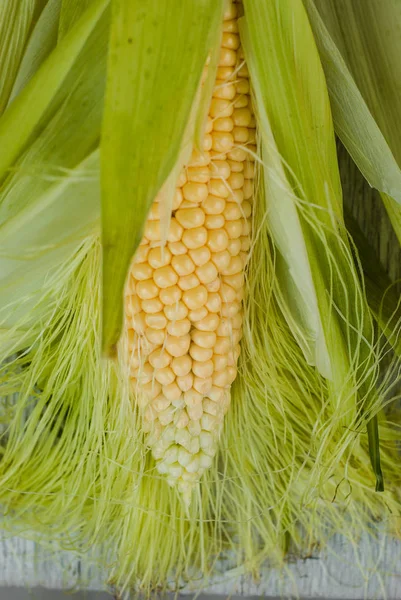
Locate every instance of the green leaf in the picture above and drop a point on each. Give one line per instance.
(71, 11)
(304, 207)
(15, 23)
(40, 45)
(360, 49)
(157, 54)
(23, 116)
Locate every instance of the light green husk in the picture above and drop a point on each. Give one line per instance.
(360, 47)
(74, 467)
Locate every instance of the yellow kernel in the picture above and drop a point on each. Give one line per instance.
(236, 181)
(156, 321)
(188, 282)
(202, 383)
(235, 166)
(181, 365)
(217, 239)
(220, 108)
(182, 178)
(204, 339)
(138, 322)
(236, 281)
(231, 26)
(224, 124)
(230, 40)
(246, 227)
(141, 271)
(183, 265)
(230, 11)
(228, 57)
(178, 197)
(208, 323)
(219, 361)
(214, 205)
(204, 368)
(198, 174)
(193, 398)
(234, 247)
(249, 170)
(195, 297)
(199, 354)
(133, 304)
(223, 345)
(225, 73)
(231, 374)
(195, 192)
(242, 117)
(241, 135)
(159, 359)
(164, 376)
(152, 231)
(177, 248)
(159, 257)
(218, 188)
(155, 336)
(165, 277)
(154, 212)
(243, 71)
(233, 228)
(161, 403)
(234, 267)
(190, 218)
(237, 196)
(213, 286)
(214, 222)
(248, 189)
(171, 392)
(213, 302)
(232, 211)
(222, 141)
(241, 101)
(178, 328)
(209, 125)
(227, 293)
(199, 159)
(207, 273)
(220, 168)
(224, 89)
(246, 208)
(181, 420)
(242, 86)
(230, 309)
(170, 295)
(238, 154)
(178, 346)
(146, 289)
(245, 243)
(220, 378)
(200, 256)
(207, 142)
(198, 314)
(185, 382)
(152, 389)
(175, 231)
(176, 311)
(221, 259)
(152, 306)
(195, 238)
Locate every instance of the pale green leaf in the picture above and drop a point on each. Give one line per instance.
(15, 23)
(303, 195)
(157, 54)
(360, 49)
(22, 117)
(71, 10)
(40, 44)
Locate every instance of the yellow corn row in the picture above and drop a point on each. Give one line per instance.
(183, 302)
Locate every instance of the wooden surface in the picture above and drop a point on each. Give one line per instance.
(368, 571)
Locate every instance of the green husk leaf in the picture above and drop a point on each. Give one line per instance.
(23, 116)
(15, 23)
(281, 54)
(71, 11)
(156, 60)
(40, 45)
(360, 48)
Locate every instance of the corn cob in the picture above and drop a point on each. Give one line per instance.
(183, 300)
